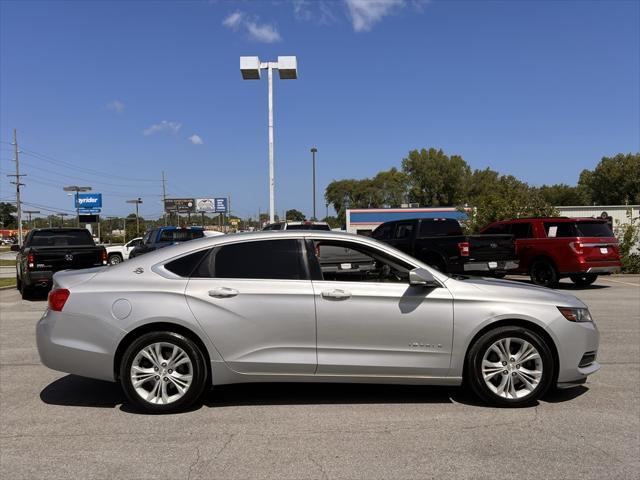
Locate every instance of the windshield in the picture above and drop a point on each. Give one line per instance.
(60, 238)
(594, 229)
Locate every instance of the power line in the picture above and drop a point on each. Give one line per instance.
(17, 183)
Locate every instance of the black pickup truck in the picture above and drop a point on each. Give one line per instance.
(440, 242)
(48, 250)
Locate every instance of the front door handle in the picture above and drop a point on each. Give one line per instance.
(336, 294)
(223, 292)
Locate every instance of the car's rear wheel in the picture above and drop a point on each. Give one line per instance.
(115, 259)
(543, 273)
(163, 372)
(510, 366)
(25, 291)
(584, 279)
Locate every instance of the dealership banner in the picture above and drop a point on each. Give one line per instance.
(88, 201)
(180, 205)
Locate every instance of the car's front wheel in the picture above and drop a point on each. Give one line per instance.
(163, 372)
(510, 366)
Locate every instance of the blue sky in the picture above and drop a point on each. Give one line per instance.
(109, 94)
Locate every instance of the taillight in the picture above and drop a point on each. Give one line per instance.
(577, 247)
(31, 260)
(104, 257)
(57, 298)
(464, 249)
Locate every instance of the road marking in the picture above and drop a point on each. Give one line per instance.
(623, 283)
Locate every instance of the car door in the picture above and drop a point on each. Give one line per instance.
(254, 299)
(372, 322)
(130, 246)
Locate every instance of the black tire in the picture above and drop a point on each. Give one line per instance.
(25, 291)
(115, 259)
(474, 376)
(584, 280)
(198, 371)
(544, 273)
(498, 274)
(18, 283)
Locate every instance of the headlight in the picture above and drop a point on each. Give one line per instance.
(576, 314)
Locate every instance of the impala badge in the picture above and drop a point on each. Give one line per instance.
(139, 270)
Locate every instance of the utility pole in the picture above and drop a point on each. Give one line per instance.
(137, 201)
(62, 215)
(17, 183)
(31, 212)
(164, 197)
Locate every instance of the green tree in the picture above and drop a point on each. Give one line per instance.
(332, 221)
(436, 179)
(295, 215)
(563, 194)
(508, 198)
(614, 181)
(7, 218)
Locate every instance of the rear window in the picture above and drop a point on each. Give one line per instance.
(308, 227)
(496, 230)
(437, 228)
(594, 229)
(383, 231)
(52, 238)
(520, 230)
(181, 235)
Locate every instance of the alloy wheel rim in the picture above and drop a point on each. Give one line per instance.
(512, 368)
(161, 373)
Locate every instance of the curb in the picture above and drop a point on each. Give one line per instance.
(8, 287)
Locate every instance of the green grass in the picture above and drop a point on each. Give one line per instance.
(7, 282)
(7, 263)
(4, 248)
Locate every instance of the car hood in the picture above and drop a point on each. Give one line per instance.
(511, 291)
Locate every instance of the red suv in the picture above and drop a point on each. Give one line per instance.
(556, 247)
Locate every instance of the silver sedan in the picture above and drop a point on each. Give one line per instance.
(308, 307)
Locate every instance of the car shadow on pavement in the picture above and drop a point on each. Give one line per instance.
(75, 391)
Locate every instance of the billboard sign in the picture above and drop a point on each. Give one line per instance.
(220, 204)
(180, 205)
(88, 201)
(205, 205)
(89, 218)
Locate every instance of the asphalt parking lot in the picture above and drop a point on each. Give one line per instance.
(55, 425)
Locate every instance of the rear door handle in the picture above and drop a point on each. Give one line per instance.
(336, 294)
(223, 292)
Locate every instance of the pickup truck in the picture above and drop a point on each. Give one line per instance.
(164, 236)
(46, 251)
(440, 242)
(120, 253)
(556, 247)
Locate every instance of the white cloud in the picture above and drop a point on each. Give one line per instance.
(196, 139)
(163, 126)
(261, 32)
(365, 14)
(233, 20)
(316, 11)
(115, 106)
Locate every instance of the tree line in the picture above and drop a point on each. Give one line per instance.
(432, 178)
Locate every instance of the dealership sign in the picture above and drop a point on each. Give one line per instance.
(220, 205)
(88, 201)
(180, 205)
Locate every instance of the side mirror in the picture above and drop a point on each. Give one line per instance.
(15, 247)
(423, 278)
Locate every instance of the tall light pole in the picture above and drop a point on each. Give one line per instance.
(137, 201)
(76, 189)
(314, 150)
(287, 67)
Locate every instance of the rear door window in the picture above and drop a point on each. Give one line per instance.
(497, 230)
(264, 259)
(404, 231)
(383, 231)
(440, 228)
(560, 229)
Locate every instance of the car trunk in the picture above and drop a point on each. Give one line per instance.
(491, 247)
(598, 249)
